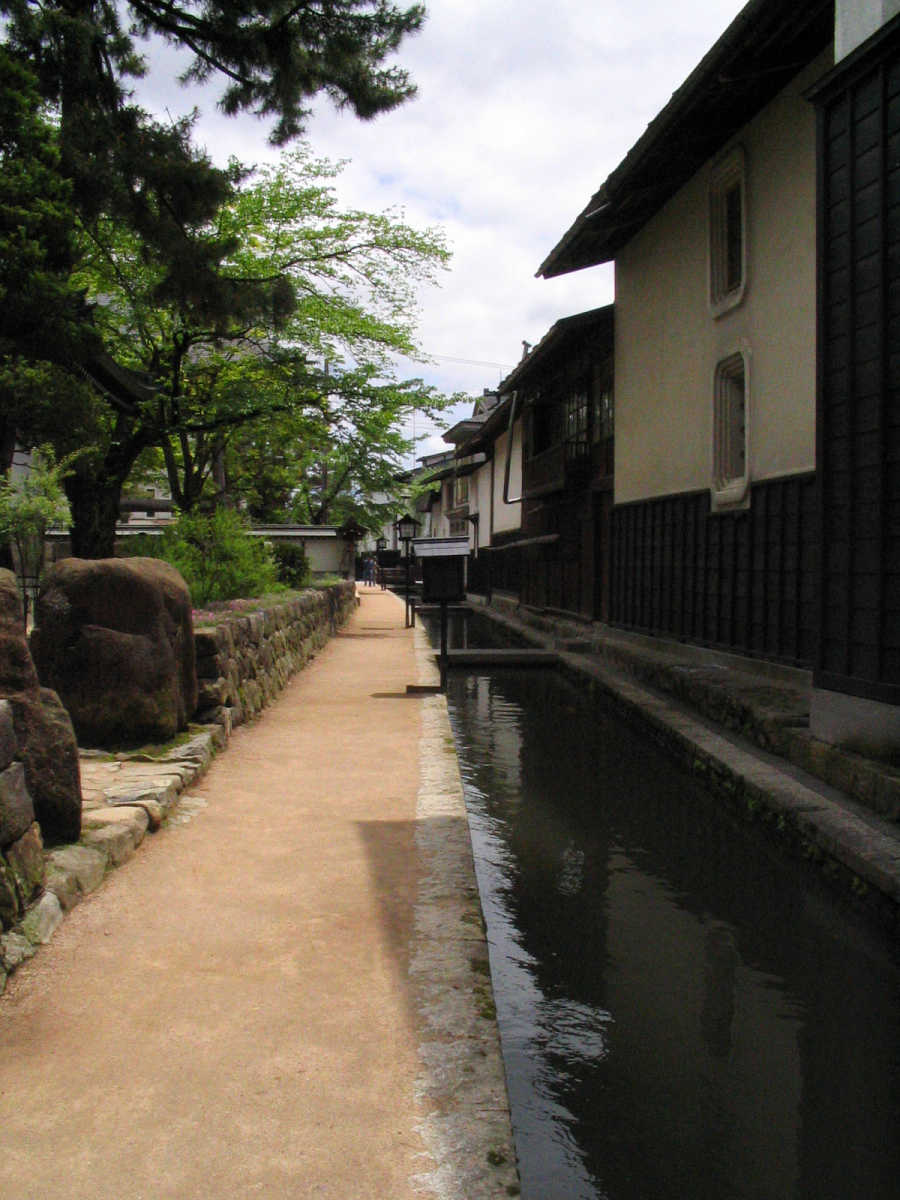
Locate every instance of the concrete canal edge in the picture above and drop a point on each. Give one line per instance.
(461, 1085)
(857, 851)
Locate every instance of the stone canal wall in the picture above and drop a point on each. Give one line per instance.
(245, 659)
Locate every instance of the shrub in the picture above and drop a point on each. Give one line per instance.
(28, 508)
(217, 556)
(292, 564)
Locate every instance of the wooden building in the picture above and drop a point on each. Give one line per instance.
(557, 412)
(857, 661)
(710, 221)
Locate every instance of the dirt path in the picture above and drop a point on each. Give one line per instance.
(231, 1014)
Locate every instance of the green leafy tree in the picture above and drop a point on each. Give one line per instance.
(38, 302)
(272, 57)
(217, 556)
(112, 162)
(324, 468)
(42, 312)
(313, 283)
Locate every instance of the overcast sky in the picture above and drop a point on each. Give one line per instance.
(524, 107)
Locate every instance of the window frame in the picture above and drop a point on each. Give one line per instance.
(460, 490)
(728, 175)
(730, 478)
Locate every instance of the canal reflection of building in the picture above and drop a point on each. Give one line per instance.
(750, 1038)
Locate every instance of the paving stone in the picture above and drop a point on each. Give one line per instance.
(130, 817)
(25, 858)
(115, 842)
(42, 919)
(79, 866)
(15, 949)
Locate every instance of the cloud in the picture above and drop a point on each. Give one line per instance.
(523, 108)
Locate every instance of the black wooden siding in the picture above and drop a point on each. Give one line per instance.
(741, 581)
(858, 419)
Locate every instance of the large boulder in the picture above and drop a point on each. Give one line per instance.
(114, 637)
(35, 730)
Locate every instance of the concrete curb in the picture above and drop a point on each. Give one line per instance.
(743, 736)
(461, 1084)
(855, 849)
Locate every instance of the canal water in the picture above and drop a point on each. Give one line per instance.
(685, 1014)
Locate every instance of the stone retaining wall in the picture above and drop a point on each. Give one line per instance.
(244, 661)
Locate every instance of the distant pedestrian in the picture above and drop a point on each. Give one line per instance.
(369, 571)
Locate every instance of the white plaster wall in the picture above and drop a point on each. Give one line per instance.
(508, 516)
(668, 343)
(856, 20)
(325, 555)
(440, 525)
(480, 502)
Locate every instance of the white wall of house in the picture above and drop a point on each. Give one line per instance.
(668, 341)
(440, 523)
(507, 516)
(856, 20)
(480, 503)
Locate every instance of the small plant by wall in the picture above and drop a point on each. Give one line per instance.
(216, 554)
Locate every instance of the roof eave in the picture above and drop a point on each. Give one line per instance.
(671, 149)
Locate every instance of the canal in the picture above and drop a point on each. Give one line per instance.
(685, 1013)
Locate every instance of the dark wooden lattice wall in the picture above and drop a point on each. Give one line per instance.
(738, 581)
(858, 419)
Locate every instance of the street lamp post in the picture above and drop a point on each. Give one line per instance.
(406, 528)
(380, 546)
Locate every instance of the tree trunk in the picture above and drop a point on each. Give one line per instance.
(95, 511)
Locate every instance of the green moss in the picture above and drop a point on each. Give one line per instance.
(157, 749)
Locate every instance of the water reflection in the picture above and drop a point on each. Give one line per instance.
(683, 1014)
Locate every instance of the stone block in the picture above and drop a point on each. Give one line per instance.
(14, 950)
(206, 644)
(50, 754)
(25, 858)
(16, 808)
(114, 842)
(42, 919)
(10, 905)
(211, 693)
(35, 727)
(134, 819)
(114, 637)
(7, 735)
(81, 866)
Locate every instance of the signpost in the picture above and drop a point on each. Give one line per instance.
(443, 580)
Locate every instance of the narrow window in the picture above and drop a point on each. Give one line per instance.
(727, 233)
(603, 423)
(730, 428)
(576, 417)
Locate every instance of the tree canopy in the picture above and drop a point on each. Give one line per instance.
(214, 298)
(320, 300)
(271, 58)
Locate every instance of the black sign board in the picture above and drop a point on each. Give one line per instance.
(443, 579)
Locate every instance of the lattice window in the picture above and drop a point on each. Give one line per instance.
(727, 233)
(730, 431)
